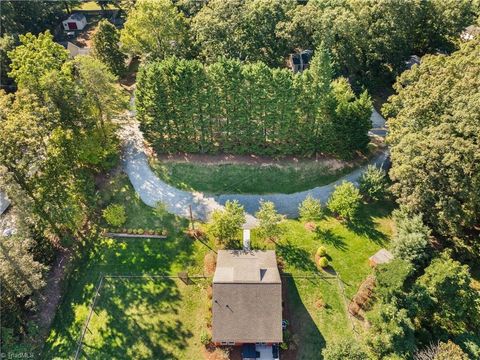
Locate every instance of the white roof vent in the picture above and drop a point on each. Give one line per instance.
(246, 239)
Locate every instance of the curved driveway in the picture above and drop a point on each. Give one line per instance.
(152, 190)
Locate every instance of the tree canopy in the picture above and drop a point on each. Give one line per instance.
(435, 141)
(155, 29)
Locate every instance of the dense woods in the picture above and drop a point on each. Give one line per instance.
(435, 143)
(238, 108)
(55, 135)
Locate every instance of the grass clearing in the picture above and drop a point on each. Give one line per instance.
(246, 179)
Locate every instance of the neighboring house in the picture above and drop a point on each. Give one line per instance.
(299, 61)
(75, 50)
(4, 202)
(247, 301)
(413, 60)
(76, 21)
(470, 32)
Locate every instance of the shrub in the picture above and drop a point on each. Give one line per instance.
(411, 239)
(114, 215)
(310, 209)
(321, 251)
(130, 231)
(441, 351)
(373, 183)
(164, 232)
(322, 262)
(205, 338)
(345, 200)
(141, 231)
(210, 262)
(344, 349)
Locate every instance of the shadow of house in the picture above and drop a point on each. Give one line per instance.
(303, 328)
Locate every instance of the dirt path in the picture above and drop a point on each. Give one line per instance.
(52, 293)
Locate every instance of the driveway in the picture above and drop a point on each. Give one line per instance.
(152, 190)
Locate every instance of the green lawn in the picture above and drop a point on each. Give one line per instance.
(147, 318)
(238, 178)
(348, 247)
(123, 324)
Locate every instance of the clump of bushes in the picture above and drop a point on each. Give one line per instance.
(114, 215)
(322, 262)
(345, 201)
(205, 338)
(373, 183)
(321, 251)
(310, 209)
(209, 263)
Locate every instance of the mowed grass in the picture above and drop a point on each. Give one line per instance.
(132, 313)
(246, 179)
(158, 317)
(349, 245)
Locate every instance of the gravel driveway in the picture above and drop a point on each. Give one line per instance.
(152, 190)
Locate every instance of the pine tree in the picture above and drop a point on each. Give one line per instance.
(106, 47)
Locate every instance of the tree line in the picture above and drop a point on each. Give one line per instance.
(55, 136)
(368, 39)
(228, 106)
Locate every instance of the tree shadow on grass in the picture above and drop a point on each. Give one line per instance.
(364, 223)
(327, 236)
(303, 327)
(296, 257)
(141, 320)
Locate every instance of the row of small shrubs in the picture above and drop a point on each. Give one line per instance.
(321, 257)
(161, 232)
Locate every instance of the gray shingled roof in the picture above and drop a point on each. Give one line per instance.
(4, 202)
(247, 297)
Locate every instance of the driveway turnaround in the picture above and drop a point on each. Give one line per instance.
(153, 190)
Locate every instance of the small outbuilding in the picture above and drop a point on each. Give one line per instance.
(382, 256)
(76, 21)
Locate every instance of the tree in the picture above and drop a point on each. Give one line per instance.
(447, 304)
(225, 225)
(106, 47)
(20, 17)
(269, 221)
(34, 58)
(155, 29)
(345, 200)
(310, 209)
(373, 183)
(114, 214)
(435, 142)
(344, 349)
(441, 351)
(390, 280)
(411, 239)
(391, 333)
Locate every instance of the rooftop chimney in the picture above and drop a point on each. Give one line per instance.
(246, 239)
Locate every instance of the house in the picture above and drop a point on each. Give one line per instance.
(299, 61)
(413, 60)
(76, 21)
(75, 50)
(247, 301)
(382, 256)
(470, 32)
(4, 202)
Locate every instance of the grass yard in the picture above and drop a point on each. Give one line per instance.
(158, 317)
(246, 179)
(348, 247)
(132, 314)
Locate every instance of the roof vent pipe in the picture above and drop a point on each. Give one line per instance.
(246, 240)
